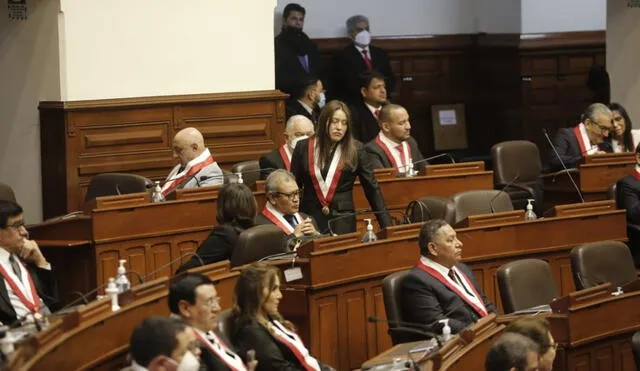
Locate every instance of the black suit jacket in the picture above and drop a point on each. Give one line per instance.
(45, 284)
(289, 72)
(628, 197)
(272, 160)
(342, 202)
(380, 160)
(568, 148)
(426, 300)
(349, 64)
(218, 246)
(365, 124)
(271, 354)
(295, 108)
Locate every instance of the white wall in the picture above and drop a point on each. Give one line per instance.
(326, 18)
(623, 56)
(28, 73)
(122, 48)
(563, 15)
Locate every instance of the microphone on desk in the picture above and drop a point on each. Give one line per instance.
(423, 208)
(350, 215)
(510, 183)
(407, 327)
(555, 151)
(413, 164)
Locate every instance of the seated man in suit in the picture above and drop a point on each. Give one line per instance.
(365, 112)
(297, 58)
(163, 343)
(358, 57)
(628, 198)
(439, 286)
(307, 99)
(27, 285)
(194, 298)
(282, 207)
(513, 352)
(587, 138)
(197, 167)
(298, 127)
(394, 146)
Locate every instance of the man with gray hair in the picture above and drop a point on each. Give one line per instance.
(283, 205)
(197, 167)
(585, 139)
(298, 127)
(358, 57)
(513, 352)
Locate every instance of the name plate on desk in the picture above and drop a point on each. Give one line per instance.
(492, 219)
(611, 158)
(388, 173)
(195, 193)
(327, 243)
(581, 208)
(131, 199)
(454, 169)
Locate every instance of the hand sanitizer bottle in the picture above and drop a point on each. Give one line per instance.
(529, 214)
(446, 330)
(122, 282)
(369, 236)
(112, 292)
(157, 193)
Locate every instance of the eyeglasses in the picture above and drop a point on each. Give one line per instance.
(290, 196)
(17, 225)
(602, 127)
(213, 302)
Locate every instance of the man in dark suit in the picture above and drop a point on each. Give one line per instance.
(394, 146)
(283, 206)
(358, 57)
(628, 198)
(365, 112)
(298, 127)
(513, 352)
(439, 286)
(587, 138)
(296, 56)
(22, 262)
(307, 100)
(194, 298)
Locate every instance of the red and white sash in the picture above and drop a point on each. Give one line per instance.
(325, 189)
(586, 148)
(393, 154)
(278, 219)
(27, 295)
(222, 351)
(193, 167)
(475, 302)
(286, 156)
(293, 342)
(636, 172)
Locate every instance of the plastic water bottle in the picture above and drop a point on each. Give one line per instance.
(157, 193)
(529, 214)
(446, 330)
(122, 282)
(368, 235)
(112, 292)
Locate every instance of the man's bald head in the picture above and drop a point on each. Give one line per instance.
(187, 145)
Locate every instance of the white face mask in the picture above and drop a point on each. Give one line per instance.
(363, 38)
(295, 141)
(189, 363)
(322, 101)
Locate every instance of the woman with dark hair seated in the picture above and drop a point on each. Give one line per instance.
(537, 329)
(255, 323)
(236, 213)
(620, 137)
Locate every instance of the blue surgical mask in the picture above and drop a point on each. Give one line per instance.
(322, 100)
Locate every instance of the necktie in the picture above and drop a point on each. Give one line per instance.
(400, 148)
(304, 61)
(15, 267)
(291, 219)
(454, 277)
(377, 112)
(367, 61)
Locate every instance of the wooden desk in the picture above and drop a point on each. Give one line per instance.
(593, 177)
(94, 337)
(342, 280)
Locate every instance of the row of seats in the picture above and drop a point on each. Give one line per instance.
(459, 206)
(529, 283)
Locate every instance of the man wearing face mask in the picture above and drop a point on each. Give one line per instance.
(298, 127)
(296, 56)
(164, 343)
(307, 100)
(358, 57)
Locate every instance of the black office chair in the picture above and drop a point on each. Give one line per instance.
(431, 207)
(258, 242)
(480, 202)
(391, 298)
(526, 283)
(599, 262)
(112, 184)
(250, 171)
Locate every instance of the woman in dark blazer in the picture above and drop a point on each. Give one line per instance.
(236, 212)
(255, 324)
(326, 167)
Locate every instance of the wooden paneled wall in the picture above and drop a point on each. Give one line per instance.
(82, 139)
(512, 85)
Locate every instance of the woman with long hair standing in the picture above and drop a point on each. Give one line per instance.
(255, 323)
(326, 167)
(236, 212)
